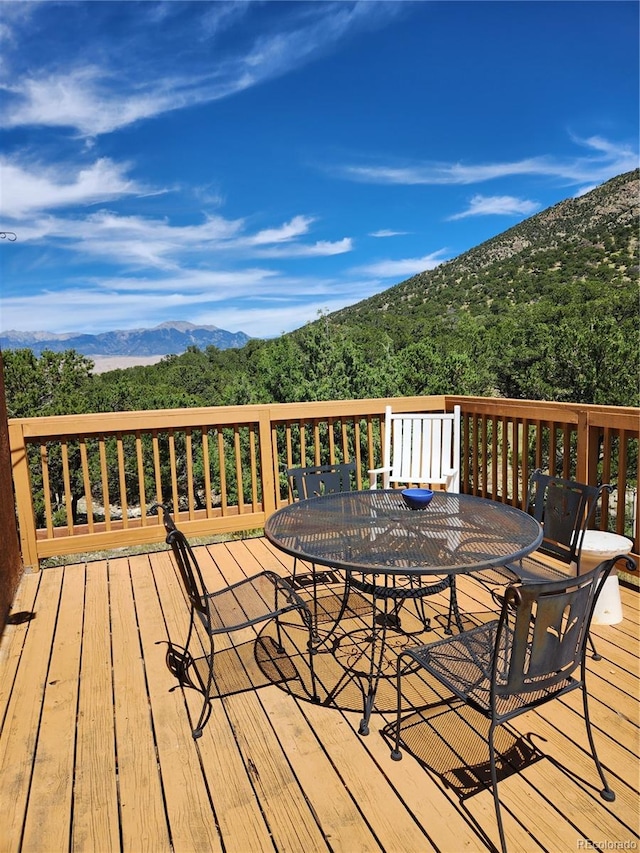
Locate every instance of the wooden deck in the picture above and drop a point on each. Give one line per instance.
(96, 751)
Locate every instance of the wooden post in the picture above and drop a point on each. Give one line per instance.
(10, 559)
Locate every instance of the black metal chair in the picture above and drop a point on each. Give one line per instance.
(251, 601)
(520, 661)
(565, 509)
(312, 481)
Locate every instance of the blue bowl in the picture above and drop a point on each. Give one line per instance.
(417, 498)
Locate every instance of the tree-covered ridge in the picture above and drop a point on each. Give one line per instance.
(594, 237)
(547, 310)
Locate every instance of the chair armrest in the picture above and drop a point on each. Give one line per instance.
(373, 476)
(450, 474)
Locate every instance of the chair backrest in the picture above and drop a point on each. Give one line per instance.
(188, 567)
(565, 509)
(423, 448)
(542, 632)
(316, 480)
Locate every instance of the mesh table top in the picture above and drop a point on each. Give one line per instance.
(374, 531)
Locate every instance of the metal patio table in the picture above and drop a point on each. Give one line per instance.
(387, 550)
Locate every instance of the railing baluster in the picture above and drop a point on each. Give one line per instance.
(238, 467)
(122, 477)
(48, 512)
(174, 472)
(621, 482)
(189, 471)
(485, 456)
(206, 465)
(157, 469)
(104, 482)
(86, 482)
(223, 471)
(142, 498)
(253, 457)
(66, 476)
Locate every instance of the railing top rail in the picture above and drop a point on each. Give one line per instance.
(111, 422)
(623, 417)
(367, 406)
(545, 409)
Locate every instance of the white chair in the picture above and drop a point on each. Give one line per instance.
(421, 449)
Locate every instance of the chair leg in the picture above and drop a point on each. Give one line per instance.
(494, 785)
(314, 631)
(595, 655)
(607, 794)
(309, 622)
(422, 615)
(373, 676)
(454, 610)
(279, 646)
(396, 753)
(205, 713)
(314, 580)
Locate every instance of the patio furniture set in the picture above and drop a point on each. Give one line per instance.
(373, 546)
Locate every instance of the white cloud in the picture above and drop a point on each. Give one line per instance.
(385, 232)
(115, 88)
(402, 268)
(443, 173)
(78, 99)
(28, 190)
(31, 194)
(501, 205)
(192, 283)
(610, 159)
(265, 322)
(126, 240)
(296, 227)
(584, 190)
(322, 248)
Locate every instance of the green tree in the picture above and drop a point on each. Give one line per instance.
(57, 383)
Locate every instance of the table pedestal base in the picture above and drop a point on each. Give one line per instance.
(608, 609)
(599, 545)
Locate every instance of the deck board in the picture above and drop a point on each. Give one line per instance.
(22, 722)
(95, 795)
(189, 813)
(49, 813)
(140, 791)
(96, 750)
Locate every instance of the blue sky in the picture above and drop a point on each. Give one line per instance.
(248, 165)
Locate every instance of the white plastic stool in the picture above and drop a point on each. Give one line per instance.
(598, 545)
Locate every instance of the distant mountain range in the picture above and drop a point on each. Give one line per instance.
(165, 339)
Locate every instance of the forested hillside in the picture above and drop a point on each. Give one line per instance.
(547, 310)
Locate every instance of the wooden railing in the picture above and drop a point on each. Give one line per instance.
(86, 483)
